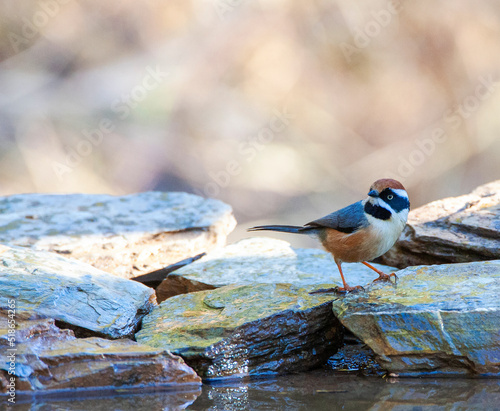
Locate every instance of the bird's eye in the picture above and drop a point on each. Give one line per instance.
(390, 197)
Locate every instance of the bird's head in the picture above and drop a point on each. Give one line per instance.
(388, 198)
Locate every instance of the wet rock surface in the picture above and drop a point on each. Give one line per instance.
(354, 357)
(48, 358)
(452, 230)
(249, 330)
(74, 293)
(263, 260)
(127, 236)
(438, 320)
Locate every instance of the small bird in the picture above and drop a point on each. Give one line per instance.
(361, 231)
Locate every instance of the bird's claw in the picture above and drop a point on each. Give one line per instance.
(348, 289)
(387, 277)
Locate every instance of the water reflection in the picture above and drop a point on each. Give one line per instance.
(317, 390)
(323, 390)
(163, 399)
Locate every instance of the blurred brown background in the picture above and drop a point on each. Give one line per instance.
(286, 110)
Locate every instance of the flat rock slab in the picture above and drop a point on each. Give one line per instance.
(127, 236)
(452, 230)
(72, 292)
(439, 320)
(263, 260)
(246, 330)
(42, 358)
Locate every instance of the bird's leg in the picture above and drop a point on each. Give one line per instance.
(381, 276)
(346, 287)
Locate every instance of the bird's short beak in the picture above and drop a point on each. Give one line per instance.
(373, 193)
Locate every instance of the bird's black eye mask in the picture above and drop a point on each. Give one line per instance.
(377, 211)
(397, 202)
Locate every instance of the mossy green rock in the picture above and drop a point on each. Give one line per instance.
(264, 260)
(438, 320)
(236, 331)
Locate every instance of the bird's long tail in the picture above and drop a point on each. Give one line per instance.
(283, 228)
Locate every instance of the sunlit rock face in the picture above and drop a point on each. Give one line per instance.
(248, 330)
(47, 358)
(86, 299)
(263, 260)
(451, 230)
(437, 320)
(124, 235)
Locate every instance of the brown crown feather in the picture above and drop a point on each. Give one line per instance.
(383, 183)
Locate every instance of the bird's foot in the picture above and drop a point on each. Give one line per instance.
(386, 277)
(349, 289)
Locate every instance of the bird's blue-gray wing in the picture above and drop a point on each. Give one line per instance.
(346, 220)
